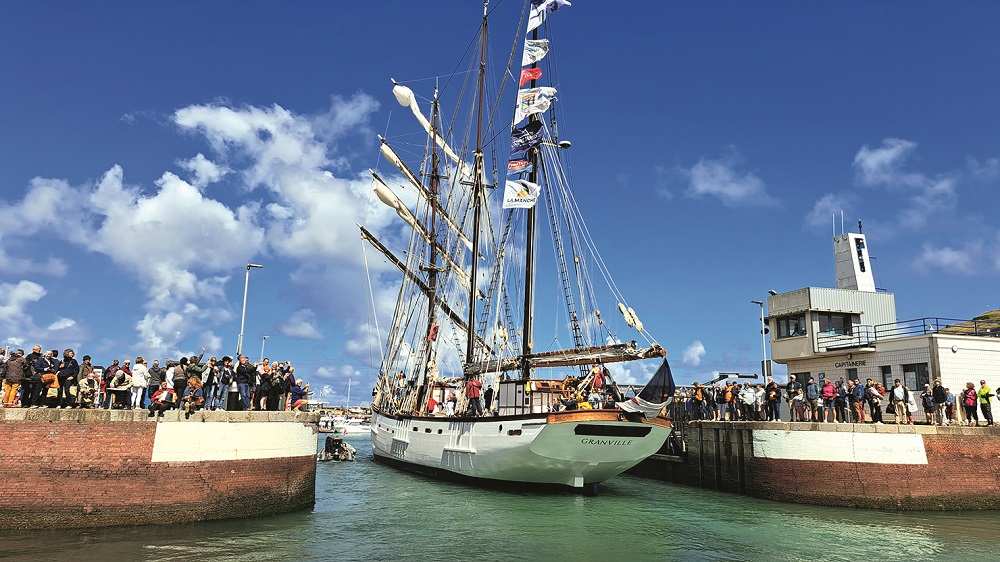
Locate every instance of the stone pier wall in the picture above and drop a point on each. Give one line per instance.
(96, 468)
(855, 465)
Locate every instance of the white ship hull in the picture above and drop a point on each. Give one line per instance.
(574, 448)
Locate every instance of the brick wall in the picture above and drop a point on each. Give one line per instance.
(962, 469)
(63, 471)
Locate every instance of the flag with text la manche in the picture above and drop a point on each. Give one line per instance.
(520, 194)
(534, 51)
(529, 74)
(540, 7)
(533, 100)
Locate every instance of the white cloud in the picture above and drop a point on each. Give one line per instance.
(929, 196)
(694, 353)
(62, 323)
(721, 179)
(967, 260)
(881, 165)
(211, 342)
(179, 242)
(14, 299)
(985, 172)
(315, 212)
(302, 324)
(827, 207)
(203, 171)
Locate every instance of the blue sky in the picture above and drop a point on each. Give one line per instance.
(711, 143)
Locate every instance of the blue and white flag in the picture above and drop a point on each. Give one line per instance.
(534, 51)
(539, 8)
(524, 138)
(533, 100)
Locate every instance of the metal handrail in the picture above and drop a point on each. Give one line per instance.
(861, 335)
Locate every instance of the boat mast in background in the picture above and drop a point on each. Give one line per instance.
(477, 196)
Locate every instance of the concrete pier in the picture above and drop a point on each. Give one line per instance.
(95, 468)
(887, 466)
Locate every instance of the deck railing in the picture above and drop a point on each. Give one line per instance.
(861, 335)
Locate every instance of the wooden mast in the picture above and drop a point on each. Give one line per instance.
(529, 250)
(430, 335)
(477, 196)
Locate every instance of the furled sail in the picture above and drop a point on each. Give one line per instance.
(388, 197)
(406, 98)
(568, 358)
(416, 280)
(421, 190)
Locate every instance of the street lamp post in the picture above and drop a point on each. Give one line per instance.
(763, 342)
(243, 321)
(264, 339)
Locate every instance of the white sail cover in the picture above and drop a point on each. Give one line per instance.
(406, 98)
(649, 410)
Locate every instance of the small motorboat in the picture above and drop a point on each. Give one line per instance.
(336, 449)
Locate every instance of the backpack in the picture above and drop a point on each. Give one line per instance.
(109, 373)
(859, 392)
(970, 398)
(226, 378)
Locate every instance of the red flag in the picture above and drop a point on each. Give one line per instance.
(529, 74)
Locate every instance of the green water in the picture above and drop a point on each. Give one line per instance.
(365, 511)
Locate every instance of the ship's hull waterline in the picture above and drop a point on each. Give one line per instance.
(574, 449)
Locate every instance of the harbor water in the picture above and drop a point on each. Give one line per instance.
(366, 511)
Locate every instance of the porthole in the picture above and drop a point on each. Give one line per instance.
(440, 432)
(500, 429)
(415, 428)
(428, 430)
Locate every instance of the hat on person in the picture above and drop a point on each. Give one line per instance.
(791, 376)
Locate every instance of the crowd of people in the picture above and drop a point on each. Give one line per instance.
(44, 380)
(840, 401)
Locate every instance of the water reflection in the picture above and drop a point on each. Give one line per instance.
(365, 511)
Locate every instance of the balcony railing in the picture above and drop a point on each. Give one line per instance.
(858, 335)
(861, 335)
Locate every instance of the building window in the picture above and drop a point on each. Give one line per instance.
(791, 326)
(837, 323)
(887, 380)
(916, 375)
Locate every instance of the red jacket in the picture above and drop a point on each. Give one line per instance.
(472, 388)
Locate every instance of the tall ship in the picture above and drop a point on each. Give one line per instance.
(463, 391)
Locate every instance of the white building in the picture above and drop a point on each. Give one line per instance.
(853, 332)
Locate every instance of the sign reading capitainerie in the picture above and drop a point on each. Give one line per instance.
(862, 363)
